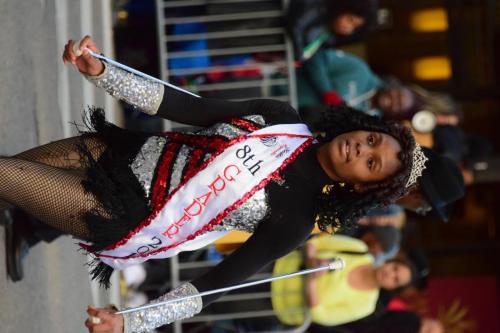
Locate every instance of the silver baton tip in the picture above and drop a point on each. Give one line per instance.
(337, 263)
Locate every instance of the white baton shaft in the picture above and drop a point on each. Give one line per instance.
(78, 52)
(336, 264)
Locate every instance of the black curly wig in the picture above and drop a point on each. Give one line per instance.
(340, 205)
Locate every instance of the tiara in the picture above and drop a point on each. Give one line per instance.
(418, 165)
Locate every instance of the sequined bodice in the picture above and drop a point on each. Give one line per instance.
(246, 217)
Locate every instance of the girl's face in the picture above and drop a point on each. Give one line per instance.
(346, 24)
(393, 275)
(362, 157)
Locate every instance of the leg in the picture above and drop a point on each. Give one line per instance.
(64, 154)
(52, 195)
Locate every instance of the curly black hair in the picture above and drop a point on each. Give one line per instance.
(339, 205)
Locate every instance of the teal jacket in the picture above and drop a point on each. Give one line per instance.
(344, 73)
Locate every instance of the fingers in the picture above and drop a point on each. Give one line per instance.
(73, 51)
(88, 43)
(78, 55)
(106, 317)
(68, 54)
(98, 328)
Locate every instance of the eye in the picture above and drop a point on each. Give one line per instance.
(371, 140)
(370, 163)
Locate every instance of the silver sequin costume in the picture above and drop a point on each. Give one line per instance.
(245, 217)
(147, 95)
(148, 319)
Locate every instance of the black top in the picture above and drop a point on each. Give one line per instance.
(292, 207)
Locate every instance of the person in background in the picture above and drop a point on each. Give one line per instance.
(337, 297)
(383, 242)
(332, 77)
(312, 24)
(470, 151)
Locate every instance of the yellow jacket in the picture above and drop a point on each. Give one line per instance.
(338, 302)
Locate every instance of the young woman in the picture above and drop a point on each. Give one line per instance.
(136, 196)
(335, 298)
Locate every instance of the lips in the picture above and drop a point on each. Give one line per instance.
(346, 149)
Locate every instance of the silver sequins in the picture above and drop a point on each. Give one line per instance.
(245, 218)
(135, 90)
(256, 208)
(179, 165)
(145, 162)
(248, 215)
(149, 319)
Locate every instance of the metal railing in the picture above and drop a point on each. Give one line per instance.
(229, 49)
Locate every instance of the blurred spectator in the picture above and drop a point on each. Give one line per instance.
(335, 297)
(383, 242)
(392, 215)
(470, 151)
(313, 23)
(445, 109)
(332, 77)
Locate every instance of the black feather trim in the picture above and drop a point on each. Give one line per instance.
(111, 180)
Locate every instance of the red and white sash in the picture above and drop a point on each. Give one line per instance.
(223, 183)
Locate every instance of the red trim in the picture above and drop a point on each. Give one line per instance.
(160, 187)
(245, 124)
(212, 142)
(159, 205)
(191, 167)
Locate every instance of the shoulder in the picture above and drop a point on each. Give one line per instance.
(276, 112)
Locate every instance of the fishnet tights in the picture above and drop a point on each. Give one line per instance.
(46, 182)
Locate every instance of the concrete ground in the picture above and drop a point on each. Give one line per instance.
(38, 98)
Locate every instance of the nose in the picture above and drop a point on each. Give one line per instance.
(361, 149)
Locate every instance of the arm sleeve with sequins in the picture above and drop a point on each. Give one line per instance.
(137, 91)
(155, 99)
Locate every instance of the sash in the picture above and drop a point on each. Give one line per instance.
(224, 182)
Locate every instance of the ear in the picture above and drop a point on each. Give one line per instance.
(359, 188)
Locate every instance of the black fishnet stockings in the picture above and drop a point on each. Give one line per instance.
(46, 182)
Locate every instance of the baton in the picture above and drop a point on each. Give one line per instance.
(78, 52)
(336, 264)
